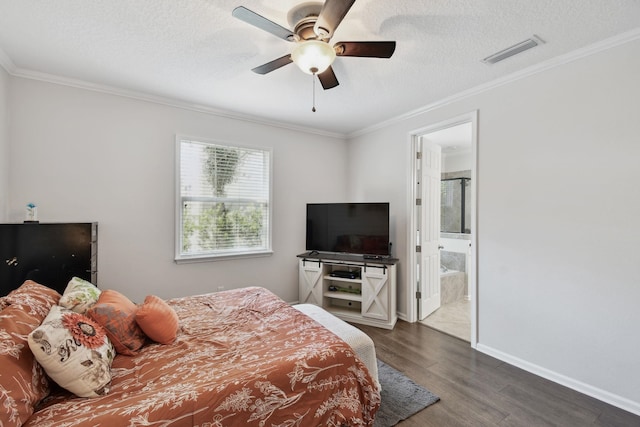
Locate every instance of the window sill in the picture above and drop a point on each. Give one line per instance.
(221, 257)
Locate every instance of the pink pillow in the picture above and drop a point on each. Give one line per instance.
(158, 320)
(117, 315)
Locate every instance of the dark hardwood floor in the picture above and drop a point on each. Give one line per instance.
(479, 390)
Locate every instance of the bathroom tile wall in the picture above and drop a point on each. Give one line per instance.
(454, 261)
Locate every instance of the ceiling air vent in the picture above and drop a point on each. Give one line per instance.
(513, 50)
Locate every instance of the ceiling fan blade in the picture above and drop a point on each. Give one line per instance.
(250, 17)
(273, 65)
(328, 79)
(331, 15)
(365, 49)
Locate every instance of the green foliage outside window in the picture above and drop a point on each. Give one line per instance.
(220, 167)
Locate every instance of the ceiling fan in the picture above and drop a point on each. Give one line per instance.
(313, 26)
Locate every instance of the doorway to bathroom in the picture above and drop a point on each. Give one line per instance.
(443, 226)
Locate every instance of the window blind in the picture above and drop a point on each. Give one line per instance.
(224, 199)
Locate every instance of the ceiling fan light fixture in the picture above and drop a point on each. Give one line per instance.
(313, 56)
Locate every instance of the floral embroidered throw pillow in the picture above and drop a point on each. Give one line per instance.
(74, 351)
(79, 295)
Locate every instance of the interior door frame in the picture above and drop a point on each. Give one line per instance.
(414, 136)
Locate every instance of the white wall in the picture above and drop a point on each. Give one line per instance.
(81, 155)
(4, 144)
(455, 162)
(558, 258)
(376, 174)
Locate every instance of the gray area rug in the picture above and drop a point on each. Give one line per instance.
(401, 397)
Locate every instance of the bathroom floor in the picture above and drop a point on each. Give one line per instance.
(453, 318)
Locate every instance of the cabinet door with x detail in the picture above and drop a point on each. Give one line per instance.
(375, 292)
(310, 282)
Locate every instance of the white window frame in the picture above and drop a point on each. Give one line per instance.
(219, 255)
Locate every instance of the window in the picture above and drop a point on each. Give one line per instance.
(224, 200)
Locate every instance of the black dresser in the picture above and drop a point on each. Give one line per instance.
(48, 253)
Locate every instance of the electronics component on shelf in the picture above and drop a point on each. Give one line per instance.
(345, 274)
(334, 288)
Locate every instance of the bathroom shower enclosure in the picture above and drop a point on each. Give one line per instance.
(455, 205)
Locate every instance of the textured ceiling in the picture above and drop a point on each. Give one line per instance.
(194, 51)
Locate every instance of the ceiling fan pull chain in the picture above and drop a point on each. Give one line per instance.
(313, 82)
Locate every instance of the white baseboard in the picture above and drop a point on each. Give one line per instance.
(589, 390)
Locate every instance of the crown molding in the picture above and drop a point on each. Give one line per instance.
(529, 71)
(171, 102)
(6, 62)
(592, 49)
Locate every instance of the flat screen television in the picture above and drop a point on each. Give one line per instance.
(354, 228)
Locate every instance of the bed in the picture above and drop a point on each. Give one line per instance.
(241, 357)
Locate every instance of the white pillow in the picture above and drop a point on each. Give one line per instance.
(79, 295)
(74, 351)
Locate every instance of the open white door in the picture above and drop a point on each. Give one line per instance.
(429, 233)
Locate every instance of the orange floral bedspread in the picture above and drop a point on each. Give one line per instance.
(242, 358)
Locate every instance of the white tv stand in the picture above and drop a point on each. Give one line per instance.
(367, 297)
